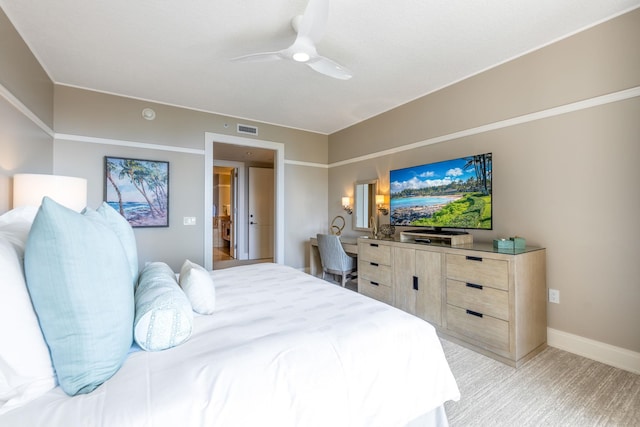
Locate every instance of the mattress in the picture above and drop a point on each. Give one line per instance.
(282, 348)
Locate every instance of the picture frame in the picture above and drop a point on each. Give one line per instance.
(138, 189)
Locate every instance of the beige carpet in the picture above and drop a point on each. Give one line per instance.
(555, 388)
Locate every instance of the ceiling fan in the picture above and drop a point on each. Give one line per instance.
(310, 28)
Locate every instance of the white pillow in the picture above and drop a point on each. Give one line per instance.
(197, 284)
(26, 371)
(15, 226)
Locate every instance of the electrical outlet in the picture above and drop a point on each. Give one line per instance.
(189, 220)
(554, 296)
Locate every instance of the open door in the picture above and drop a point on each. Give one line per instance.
(233, 213)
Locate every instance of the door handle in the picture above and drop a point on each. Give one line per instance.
(252, 223)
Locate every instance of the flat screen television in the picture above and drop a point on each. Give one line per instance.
(453, 194)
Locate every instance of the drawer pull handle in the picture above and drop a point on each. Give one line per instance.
(415, 283)
(474, 258)
(474, 286)
(375, 264)
(375, 245)
(375, 283)
(474, 313)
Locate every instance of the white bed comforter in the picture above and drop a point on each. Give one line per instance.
(282, 349)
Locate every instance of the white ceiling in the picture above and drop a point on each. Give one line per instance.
(177, 52)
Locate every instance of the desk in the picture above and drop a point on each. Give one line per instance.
(350, 245)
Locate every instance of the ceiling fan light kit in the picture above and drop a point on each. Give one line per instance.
(310, 28)
(301, 57)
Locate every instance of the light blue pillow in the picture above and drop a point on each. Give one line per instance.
(80, 285)
(119, 225)
(164, 317)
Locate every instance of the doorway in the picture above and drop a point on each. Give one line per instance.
(225, 183)
(243, 147)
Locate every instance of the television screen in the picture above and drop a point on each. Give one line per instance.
(450, 194)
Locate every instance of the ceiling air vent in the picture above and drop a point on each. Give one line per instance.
(249, 130)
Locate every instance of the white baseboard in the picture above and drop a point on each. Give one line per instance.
(611, 355)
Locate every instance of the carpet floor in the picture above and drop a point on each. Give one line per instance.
(555, 388)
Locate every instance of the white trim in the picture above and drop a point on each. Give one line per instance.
(308, 164)
(133, 144)
(551, 112)
(208, 203)
(611, 355)
(279, 163)
(18, 105)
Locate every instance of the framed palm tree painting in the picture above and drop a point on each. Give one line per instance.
(138, 189)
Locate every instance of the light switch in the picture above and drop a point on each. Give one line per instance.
(189, 220)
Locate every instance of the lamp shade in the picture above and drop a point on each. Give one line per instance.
(29, 189)
(379, 199)
(346, 201)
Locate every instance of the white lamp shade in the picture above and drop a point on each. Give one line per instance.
(29, 189)
(379, 199)
(346, 201)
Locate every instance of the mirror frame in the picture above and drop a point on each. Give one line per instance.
(358, 207)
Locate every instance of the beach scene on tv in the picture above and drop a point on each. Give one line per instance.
(450, 194)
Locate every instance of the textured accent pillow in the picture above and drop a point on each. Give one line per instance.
(197, 284)
(119, 225)
(80, 286)
(25, 366)
(164, 317)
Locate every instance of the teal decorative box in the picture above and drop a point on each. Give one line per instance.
(503, 244)
(518, 242)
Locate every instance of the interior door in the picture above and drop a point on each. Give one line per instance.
(261, 210)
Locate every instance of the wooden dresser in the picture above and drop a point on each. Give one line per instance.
(374, 271)
(489, 300)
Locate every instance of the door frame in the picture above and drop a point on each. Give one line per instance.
(278, 166)
(239, 222)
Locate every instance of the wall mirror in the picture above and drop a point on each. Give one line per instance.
(364, 201)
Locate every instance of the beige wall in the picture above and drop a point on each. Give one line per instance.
(595, 62)
(22, 75)
(24, 146)
(87, 114)
(567, 182)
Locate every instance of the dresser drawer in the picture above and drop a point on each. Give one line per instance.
(373, 271)
(375, 290)
(374, 252)
(481, 299)
(486, 329)
(478, 270)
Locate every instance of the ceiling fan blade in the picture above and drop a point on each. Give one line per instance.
(330, 68)
(259, 57)
(310, 27)
(314, 20)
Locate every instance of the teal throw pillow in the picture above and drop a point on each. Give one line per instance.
(80, 285)
(119, 225)
(164, 317)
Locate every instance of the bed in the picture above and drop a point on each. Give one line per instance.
(282, 348)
